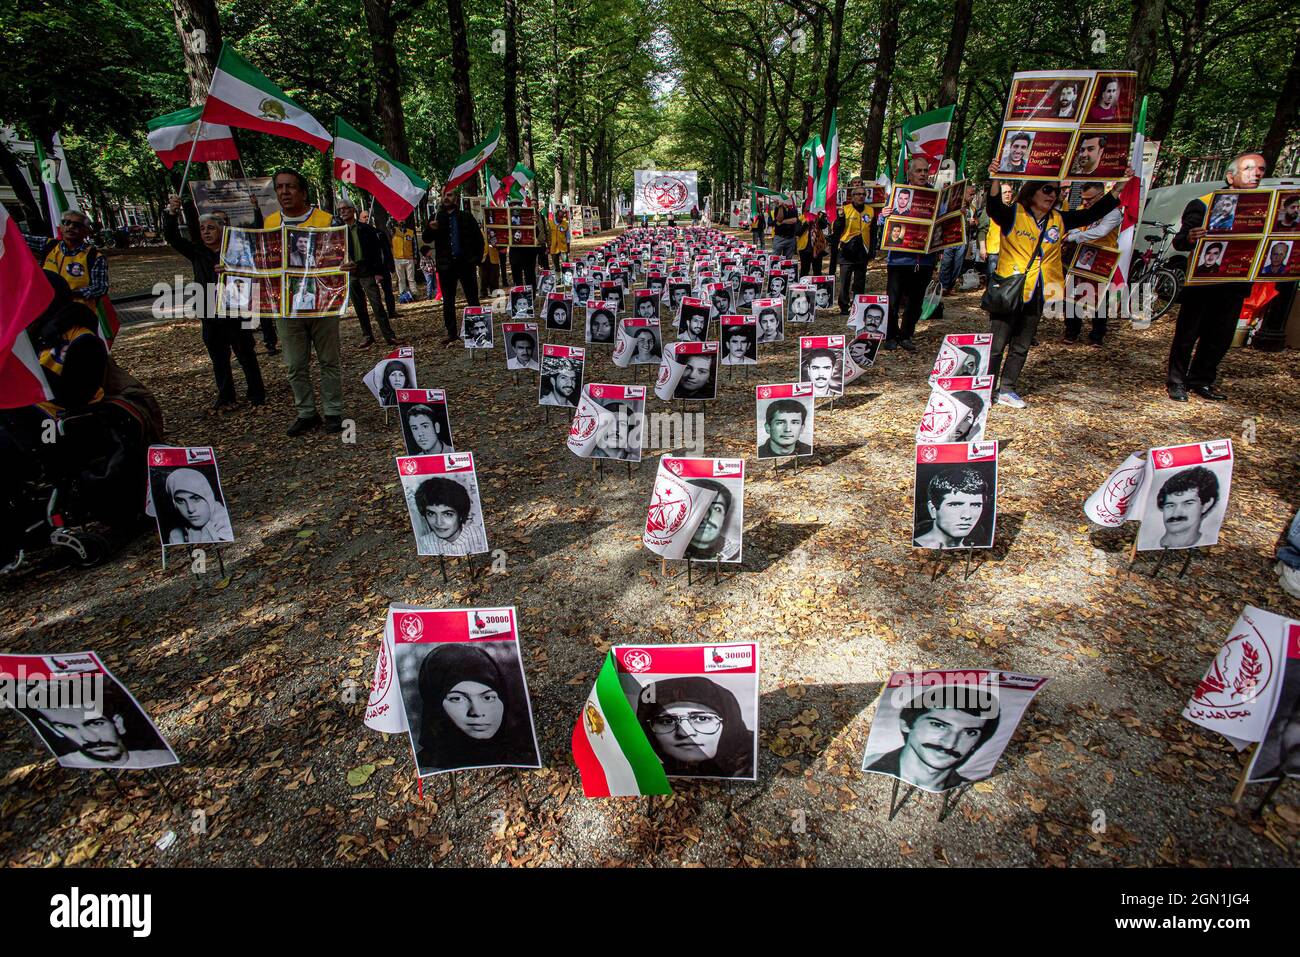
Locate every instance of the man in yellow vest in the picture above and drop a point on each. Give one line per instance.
(403, 243)
(301, 335)
(852, 233)
(77, 261)
(560, 238)
(1104, 232)
(1207, 320)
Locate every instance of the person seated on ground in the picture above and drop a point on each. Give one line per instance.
(105, 420)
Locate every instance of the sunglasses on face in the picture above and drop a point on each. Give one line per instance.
(1050, 190)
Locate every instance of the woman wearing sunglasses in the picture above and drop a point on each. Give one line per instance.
(1030, 273)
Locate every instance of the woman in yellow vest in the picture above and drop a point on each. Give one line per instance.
(1029, 272)
(560, 238)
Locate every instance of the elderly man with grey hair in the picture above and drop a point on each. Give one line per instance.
(222, 335)
(1207, 320)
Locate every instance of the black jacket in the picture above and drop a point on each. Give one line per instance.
(202, 259)
(372, 261)
(437, 232)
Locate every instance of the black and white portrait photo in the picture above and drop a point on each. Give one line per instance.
(1185, 507)
(693, 321)
(582, 289)
(803, 303)
(561, 381)
(739, 344)
(784, 425)
(677, 291)
(521, 302)
(825, 293)
(445, 510)
(476, 328)
(559, 313)
(1278, 755)
(113, 732)
(646, 345)
(863, 349)
(776, 285)
(719, 297)
(188, 503)
(699, 726)
(645, 304)
(947, 729)
(425, 428)
(521, 350)
(545, 282)
(466, 705)
(388, 376)
(600, 321)
(769, 315)
(955, 416)
(699, 376)
(955, 504)
(750, 289)
(824, 368)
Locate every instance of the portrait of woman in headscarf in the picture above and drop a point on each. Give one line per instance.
(714, 540)
(696, 729)
(474, 710)
(396, 376)
(200, 514)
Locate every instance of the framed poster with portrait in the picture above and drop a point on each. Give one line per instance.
(955, 495)
(88, 719)
(697, 705)
(688, 370)
(956, 411)
(442, 499)
(1068, 124)
(1094, 262)
(861, 354)
(453, 681)
(426, 424)
(783, 419)
(560, 381)
(739, 340)
(184, 496)
(824, 287)
(1033, 153)
(640, 343)
(317, 294)
(476, 327)
(906, 236)
(559, 312)
(394, 371)
(521, 345)
(821, 363)
(697, 510)
(940, 730)
(609, 423)
(1223, 260)
(962, 354)
(1185, 496)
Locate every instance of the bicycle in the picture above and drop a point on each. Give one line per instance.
(1159, 270)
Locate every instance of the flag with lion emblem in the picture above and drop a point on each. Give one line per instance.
(361, 162)
(613, 754)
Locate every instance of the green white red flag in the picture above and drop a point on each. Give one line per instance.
(242, 97)
(24, 295)
(613, 754)
(925, 135)
(362, 162)
(520, 178)
(471, 162)
(171, 137)
(828, 186)
(1131, 201)
(813, 153)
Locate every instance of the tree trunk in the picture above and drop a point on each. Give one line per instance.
(463, 95)
(1180, 72)
(961, 14)
(783, 134)
(1143, 34)
(510, 94)
(814, 73)
(198, 26)
(831, 87)
(1285, 114)
(388, 77)
(889, 11)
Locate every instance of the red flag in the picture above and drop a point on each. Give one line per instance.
(24, 294)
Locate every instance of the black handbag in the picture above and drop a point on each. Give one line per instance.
(1005, 294)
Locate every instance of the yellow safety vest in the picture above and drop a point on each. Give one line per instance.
(75, 269)
(316, 219)
(993, 239)
(802, 242)
(1017, 247)
(560, 236)
(855, 223)
(403, 243)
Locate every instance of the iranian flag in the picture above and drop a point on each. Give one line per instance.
(1131, 201)
(813, 153)
(611, 750)
(497, 190)
(24, 295)
(363, 162)
(241, 96)
(170, 137)
(925, 135)
(520, 178)
(829, 186)
(473, 161)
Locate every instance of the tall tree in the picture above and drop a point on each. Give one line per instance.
(382, 24)
(890, 11)
(961, 15)
(198, 26)
(1286, 113)
(1143, 35)
(510, 89)
(462, 93)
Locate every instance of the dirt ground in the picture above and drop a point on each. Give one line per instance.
(260, 680)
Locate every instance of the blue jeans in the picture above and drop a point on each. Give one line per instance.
(428, 285)
(1289, 551)
(950, 265)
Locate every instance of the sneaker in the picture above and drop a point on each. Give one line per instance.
(334, 423)
(303, 424)
(1007, 397)
(908, 344)
(1289, 579)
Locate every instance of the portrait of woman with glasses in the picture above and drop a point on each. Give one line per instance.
(696, 728)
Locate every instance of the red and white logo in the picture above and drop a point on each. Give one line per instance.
(157, 457)
(929, 453)
(583, 427)
(637, 660)
(383, 676)
(939, 417)
(409, 627)
(765, 392)
(410, 466)
(1164, 458)
(668, 509)
(1240, 671)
